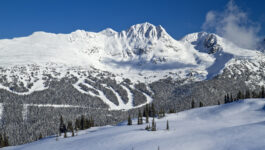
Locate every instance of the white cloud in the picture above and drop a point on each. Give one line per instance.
(234, 25)
(210, 17)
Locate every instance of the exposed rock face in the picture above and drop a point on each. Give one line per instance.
(210, 43)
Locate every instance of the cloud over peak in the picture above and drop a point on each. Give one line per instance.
(233, 24)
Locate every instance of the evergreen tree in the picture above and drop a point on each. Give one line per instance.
(153, 125)
(69, 126)
(77, 123)
(76, 131)
(239, 95)
(201, 104)
(171, 111)
(86, 124)
(129, 120)
(167, 125)
(153, 111)
(247, 94)
(6, 142)
(192, 104)
(161, 113)
(2, 143)
(92, 122)
(82, 122)
(62, 126)
(40, 136)
(225, 99)
(262, 92)
(231, 97)
(228, 98)
(146, 116)
(146, 111)
(140, 118)
(254, 94)
(65, 134)
(73, 133)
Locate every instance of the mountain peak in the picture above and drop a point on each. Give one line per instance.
(108, 31)
(146, 30)
(143, 25)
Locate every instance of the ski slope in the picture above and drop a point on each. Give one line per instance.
(238, 125)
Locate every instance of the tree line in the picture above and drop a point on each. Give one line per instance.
(228, 98)
(81, 123)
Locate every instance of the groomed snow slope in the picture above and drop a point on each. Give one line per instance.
(239, 125)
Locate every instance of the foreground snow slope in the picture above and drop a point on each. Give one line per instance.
(239, 125)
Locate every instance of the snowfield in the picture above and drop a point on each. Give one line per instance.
(236, 126)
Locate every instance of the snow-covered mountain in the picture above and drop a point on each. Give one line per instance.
(110, 74)
(143, 53)
(237, 125)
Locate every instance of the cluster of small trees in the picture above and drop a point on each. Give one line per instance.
(151, 128)
(161, 113)
(228, 98)
(3, 140)
(140, 117)
(81, 123)
(149, 111)
(193, 104)
(84, 123)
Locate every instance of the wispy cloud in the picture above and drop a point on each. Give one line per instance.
(233, 24)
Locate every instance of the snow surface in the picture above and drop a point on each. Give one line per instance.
(237, 125)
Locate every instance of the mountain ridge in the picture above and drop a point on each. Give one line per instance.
(143, 51)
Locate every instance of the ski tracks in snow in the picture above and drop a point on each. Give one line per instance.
(122, 105)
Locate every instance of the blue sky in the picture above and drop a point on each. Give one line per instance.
(179, 17)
